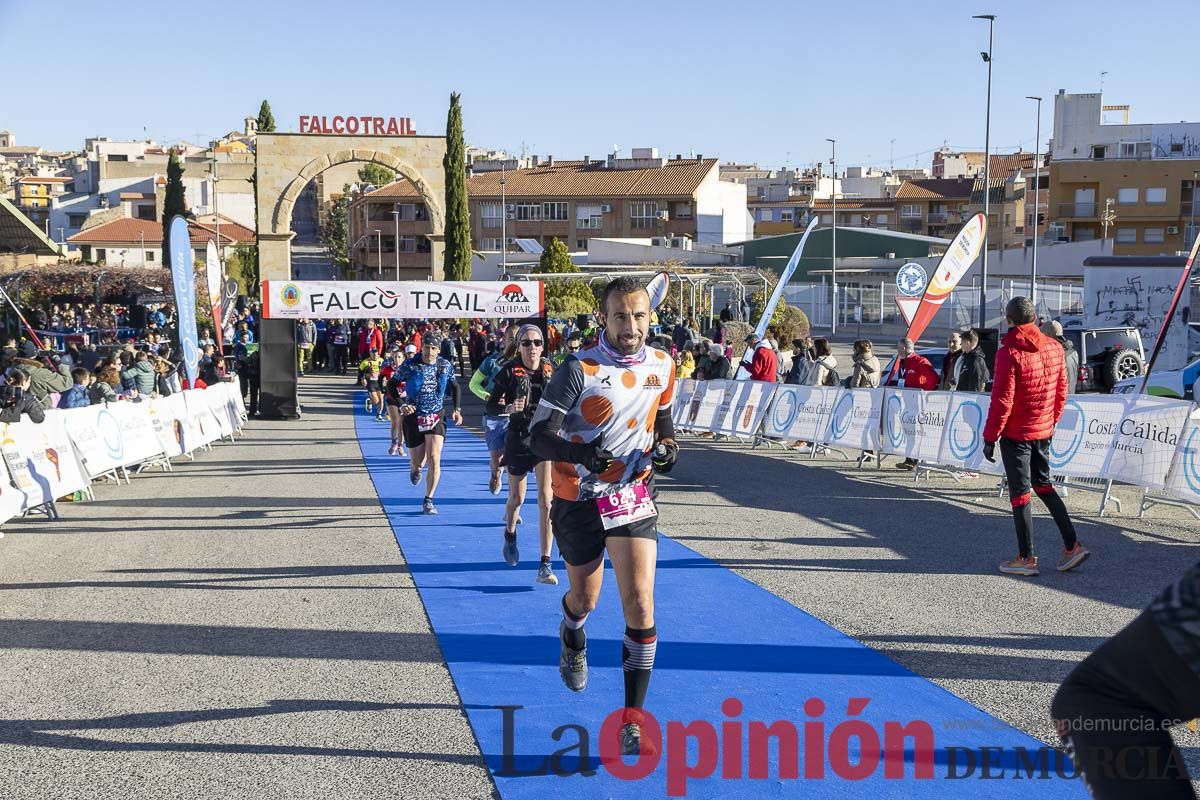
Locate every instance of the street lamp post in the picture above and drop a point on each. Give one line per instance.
(503, 224)
(833, 256)
(1037, 186)
(987, 169)
(396, 217)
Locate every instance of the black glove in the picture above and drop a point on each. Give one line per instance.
(594, 458)
(989, 451)
(666, 453)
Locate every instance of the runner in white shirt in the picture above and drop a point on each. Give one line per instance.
(605, 420)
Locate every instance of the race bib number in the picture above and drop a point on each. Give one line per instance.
(427, 422)
(340, 339)
(631, 504)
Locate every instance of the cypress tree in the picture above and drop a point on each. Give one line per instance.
(457, 262)
(266, 120)
(173, 202)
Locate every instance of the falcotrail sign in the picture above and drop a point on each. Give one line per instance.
(351, 125)
(401, 299)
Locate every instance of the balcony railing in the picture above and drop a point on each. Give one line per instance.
(1077, 210)
(938, 217)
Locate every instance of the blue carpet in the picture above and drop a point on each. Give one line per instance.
(720, 636)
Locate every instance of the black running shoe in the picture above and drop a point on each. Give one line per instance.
(572, 663)
(415, 476)
(631, 739)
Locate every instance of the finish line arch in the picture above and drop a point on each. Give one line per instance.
(286, 162)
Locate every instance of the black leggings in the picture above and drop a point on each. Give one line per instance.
(1114, 709)
(1027, 467)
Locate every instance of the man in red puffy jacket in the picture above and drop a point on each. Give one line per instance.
(1029, 394)
(914, 372)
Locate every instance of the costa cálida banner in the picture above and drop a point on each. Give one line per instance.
(183, 275)
(401, 299)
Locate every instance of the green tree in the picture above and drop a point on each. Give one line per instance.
(243, 268)
(266, 120)
(376, 174)
(457, 262)
(174, 201)
(564, 297)
(336, 230)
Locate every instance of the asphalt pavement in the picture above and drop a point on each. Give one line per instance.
(247, 627)
(244, 627)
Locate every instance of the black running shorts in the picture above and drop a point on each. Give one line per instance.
(373, 385)
(580, 533)
(519, 459)
(413, 437)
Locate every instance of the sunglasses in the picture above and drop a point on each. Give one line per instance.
(573, 348)
(531, 343)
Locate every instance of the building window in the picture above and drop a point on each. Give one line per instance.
(529, 212)
(554, 212)
(1156, 195)
(1127, 196)
(1152, 236)
(643, 214)
(408, 244)
(785, 215)
(117, 157)
(1135, 149)
(490, 244)
(76, 220)
(881, 219)
(1085, 234)
(581, 244)
(683, 211)
(149, 255)
(910, 211)
(827, 219)
(491, 214)
(588, 217)
(1126, 235)
(379, 211)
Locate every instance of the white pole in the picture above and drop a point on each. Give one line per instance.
(396, 217)
(833, 258)
(1037, 185)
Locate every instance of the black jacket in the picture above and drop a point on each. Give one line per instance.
(974, 375)
(25, 404)
(718, 369)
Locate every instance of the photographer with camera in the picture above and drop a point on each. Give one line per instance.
(17, 400)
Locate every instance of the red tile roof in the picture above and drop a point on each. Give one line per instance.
(130, 231)
(568, 179)
(936, 189)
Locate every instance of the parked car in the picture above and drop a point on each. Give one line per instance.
(1180, 383)
(1107, 356)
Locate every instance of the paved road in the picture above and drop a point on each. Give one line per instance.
(246, 626)
(242, 628)
(311, 261)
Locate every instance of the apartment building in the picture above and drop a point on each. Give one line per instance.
(644, 196)
(1134, 183)
(933, 207)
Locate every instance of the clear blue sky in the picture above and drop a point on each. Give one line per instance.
(745, 81)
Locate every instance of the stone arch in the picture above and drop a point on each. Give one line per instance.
(281, 219)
